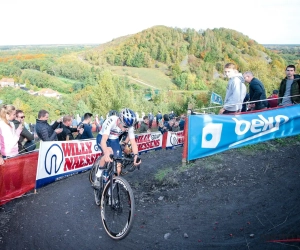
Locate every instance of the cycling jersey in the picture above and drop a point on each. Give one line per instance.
(113, 131)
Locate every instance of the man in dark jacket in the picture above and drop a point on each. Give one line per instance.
(172, 115)
(257, 92)
(158, 118)
(25, 134)
(45, 131)
(289, 89)
(67, 131)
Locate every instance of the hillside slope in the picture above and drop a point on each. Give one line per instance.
(191, 59)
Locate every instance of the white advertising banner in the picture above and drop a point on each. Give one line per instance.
(149, 141)
(175, 139)
(60, 159)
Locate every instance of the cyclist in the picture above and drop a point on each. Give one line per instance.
(112, 129)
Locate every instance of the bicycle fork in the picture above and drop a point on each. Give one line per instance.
(113, 202)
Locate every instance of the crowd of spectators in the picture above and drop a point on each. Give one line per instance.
(171, 122)
(17, 137)
(256, 99)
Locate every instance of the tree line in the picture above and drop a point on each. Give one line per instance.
(194, 60)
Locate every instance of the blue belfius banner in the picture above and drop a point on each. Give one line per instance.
(211, 134)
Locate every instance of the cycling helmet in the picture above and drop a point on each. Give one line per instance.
(127, 117)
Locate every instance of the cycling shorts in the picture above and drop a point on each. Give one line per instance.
(113, 143)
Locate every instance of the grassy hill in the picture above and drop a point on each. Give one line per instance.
(145, 78)
(191, 60)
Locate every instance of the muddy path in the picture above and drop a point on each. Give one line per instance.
(240, 199)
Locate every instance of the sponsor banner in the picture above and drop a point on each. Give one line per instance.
(175, 139)
(17, 176)
(149, 141)
(61, 159)
(210, 134)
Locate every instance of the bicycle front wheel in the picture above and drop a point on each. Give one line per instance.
(117, 208)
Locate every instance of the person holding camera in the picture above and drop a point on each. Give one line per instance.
(85, 124)
(26, 137)
(44, 130)
(67, 131)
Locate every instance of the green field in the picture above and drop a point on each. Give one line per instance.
(67, 80)
(153, 78)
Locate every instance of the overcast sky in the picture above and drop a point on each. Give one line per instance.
(98, 21)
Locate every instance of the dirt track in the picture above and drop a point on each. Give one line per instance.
(215, 203)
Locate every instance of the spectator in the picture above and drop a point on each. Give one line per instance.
(236, 90)
(158, 118)
(67, 131)
(151, 117)
(26, 138)
(113, 112)
(97, 123)
(45, 131)
(9, 135)
(161, 127)
(136, 124)
(87, 133)
(273, 99)
(144, 128)
(166, 117)
(172, 115)
(169, 125)
(289, 87)
(256, 91)
(181, 122)
(175, 127)
(74, 122)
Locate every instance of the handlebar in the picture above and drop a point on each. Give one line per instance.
(125, 161)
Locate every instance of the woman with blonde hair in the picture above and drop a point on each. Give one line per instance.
(9, 136)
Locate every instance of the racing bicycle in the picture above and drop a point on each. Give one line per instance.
(116, 198)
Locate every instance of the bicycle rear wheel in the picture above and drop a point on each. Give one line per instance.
(117, 210)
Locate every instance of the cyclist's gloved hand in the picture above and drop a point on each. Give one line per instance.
(107, 154)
